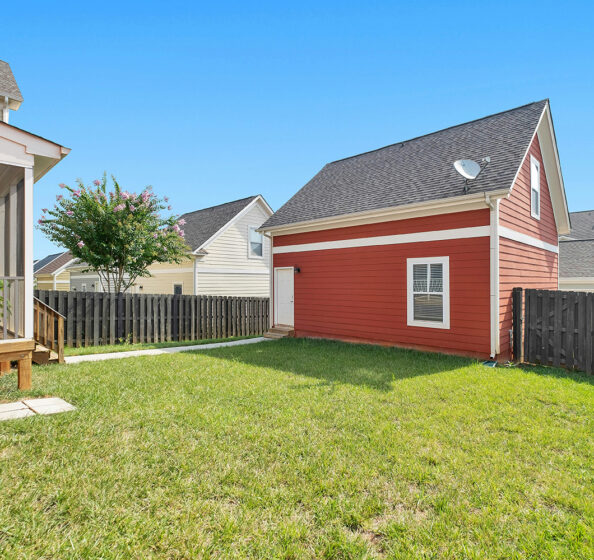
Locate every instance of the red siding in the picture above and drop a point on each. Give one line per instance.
(514, 212)
(395, 227)
(522, 265)
(360, 293)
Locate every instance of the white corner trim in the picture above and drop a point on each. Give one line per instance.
(494, 275)
(420, 237)
(410, 312)
(527, 239)
(28, 181)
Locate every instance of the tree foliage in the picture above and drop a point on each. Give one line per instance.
(118, 234)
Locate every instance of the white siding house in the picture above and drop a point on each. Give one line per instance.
(237, 258)
(227, 257)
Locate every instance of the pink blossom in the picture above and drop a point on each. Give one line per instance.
(155, 235)
(70, 213)
(169, 208)
(182, 233)
(176, 228)
(76, 193)
(125, 195)
(80, 244)
(96, 182)
(119, 207)
(145, 196)
(62, 185)
(59, 197)
(181, 222)
(132, 207)
(166, 198)
(40, 221)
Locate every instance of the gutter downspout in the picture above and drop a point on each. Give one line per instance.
(195, 275)
(271, 281)
(494, 260)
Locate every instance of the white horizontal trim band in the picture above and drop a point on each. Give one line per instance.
(171, 271)
(420, 237)
(576, 279)
(527, 239)
(231, 271)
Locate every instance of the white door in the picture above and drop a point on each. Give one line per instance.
(284, 286)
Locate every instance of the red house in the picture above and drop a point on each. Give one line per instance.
(395, 246)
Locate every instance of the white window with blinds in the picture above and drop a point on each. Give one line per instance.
(428, 292)
(255, 243)
(534, 187)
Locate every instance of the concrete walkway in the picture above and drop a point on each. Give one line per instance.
(158, 351)
(31, 407)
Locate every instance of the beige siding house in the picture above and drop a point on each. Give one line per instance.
(228, 255)
(52, 272)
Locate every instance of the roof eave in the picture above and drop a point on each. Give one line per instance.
(417, 209)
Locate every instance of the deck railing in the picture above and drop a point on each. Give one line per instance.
(12, 291)
(48, 328)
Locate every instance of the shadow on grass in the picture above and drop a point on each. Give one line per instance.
(334, 362)
(573, 375)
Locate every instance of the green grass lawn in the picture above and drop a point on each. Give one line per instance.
(300, 449)
(127, 347)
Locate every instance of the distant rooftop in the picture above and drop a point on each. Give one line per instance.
(8, 85)
(582, 225)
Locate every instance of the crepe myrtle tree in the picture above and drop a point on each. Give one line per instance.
(118, 234)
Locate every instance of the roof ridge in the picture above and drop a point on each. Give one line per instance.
(222, 204)
(580, 211)
(546, 100)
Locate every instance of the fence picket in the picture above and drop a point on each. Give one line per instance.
(93, 318)
(557, 328)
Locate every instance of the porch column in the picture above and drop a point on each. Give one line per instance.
(28, 251)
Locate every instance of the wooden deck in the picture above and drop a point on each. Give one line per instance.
(20, 351)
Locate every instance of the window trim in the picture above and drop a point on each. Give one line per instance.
(535, 164)
(410, 312)
(249, 244)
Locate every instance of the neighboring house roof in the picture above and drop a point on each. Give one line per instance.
(582, 225)
(576, 259)
(417, 170)
(576, 250)
(201, 225)
(8, 85)
(52, 263)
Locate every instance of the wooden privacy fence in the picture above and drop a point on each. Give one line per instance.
(93, 318)
(554, 328)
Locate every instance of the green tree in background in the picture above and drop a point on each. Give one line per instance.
(118, 234)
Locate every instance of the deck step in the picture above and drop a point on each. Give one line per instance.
(43, 355)
(279, 331)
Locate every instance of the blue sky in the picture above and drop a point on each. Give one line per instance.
(210, 102)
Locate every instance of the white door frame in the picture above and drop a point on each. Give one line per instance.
(276, 269)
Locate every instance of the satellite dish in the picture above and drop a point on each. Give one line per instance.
(468, 168)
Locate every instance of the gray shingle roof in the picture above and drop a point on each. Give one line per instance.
(576, 259)
(582, 225)
(51, 263)
(417, 170)
(201, 225)
(8, 85)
